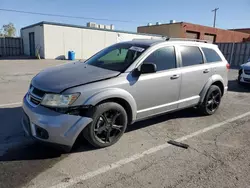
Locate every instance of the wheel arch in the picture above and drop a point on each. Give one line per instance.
(120, 96)
(214, 80)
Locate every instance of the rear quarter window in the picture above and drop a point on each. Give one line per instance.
(211, 55)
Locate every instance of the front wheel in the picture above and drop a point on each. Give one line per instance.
(212, 101)
(109, 123)
(239, 76)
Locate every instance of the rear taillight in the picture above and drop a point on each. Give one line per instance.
(228, 66)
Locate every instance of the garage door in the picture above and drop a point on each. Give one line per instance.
(192, 35)
(209, 37)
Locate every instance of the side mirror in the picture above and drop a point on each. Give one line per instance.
(148, 68)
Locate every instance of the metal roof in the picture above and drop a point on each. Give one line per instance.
(84, 27)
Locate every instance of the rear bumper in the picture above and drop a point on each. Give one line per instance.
(62, 129)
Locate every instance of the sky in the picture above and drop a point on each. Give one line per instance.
(231, 13)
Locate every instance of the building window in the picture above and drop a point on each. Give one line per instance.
(191, 55)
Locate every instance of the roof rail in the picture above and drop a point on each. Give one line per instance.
(187, 39)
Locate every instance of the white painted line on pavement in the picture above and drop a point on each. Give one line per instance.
(211, 127)
(122, 162)
(10, 104)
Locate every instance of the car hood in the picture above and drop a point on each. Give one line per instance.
(59, 78)
(246, 66)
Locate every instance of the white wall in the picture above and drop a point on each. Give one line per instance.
(39, 42)
(59, 40)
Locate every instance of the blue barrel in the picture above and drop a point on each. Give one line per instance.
(71, 55)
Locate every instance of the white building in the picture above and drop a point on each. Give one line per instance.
(54, 40)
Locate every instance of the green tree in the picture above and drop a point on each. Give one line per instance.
(1, 32)
(8, 30)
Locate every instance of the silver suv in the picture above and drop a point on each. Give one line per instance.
(121, 84)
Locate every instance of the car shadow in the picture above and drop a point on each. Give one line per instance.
(234, 86)
(23, 148)
(22, 159)
(22, 163)
(186, 113)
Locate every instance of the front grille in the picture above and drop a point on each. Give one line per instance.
(35, 96)
(35, 100)
(37, 92)
(247, 72)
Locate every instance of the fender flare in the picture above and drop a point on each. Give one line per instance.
(110, 93)
(212, 79)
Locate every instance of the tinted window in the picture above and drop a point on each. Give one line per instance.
(211, 55)
(191, 55)
(164, 58)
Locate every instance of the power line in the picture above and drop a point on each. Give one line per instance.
(67, 16)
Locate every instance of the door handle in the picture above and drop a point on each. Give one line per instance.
(175, 76)
(206, 71)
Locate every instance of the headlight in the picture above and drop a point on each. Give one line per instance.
(56, 100)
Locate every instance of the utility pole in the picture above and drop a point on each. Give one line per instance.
(215, 11)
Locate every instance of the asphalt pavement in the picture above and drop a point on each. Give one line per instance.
(218, 154)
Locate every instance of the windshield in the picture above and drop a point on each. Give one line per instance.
(117, 57)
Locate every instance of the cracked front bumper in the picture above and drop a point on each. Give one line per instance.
(62, 129)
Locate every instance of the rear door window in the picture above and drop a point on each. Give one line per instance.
(211, 55)
(191, 55)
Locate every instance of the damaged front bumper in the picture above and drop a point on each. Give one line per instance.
(244, 78)
(49, 126)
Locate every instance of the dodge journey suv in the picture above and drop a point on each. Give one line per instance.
(120, 85)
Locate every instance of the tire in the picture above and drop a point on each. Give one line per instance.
(212, 99)
(97, 132)
(239, 77)
(240, 83)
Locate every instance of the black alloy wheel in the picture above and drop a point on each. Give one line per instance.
(108, 125)
(213, 101)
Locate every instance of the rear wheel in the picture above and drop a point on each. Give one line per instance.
(212, 101)
(109, 124)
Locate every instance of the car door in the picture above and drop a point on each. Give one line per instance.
(158, 92)
(195, 74)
